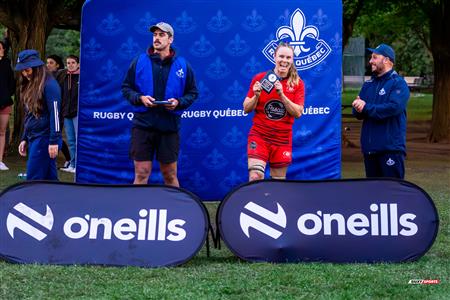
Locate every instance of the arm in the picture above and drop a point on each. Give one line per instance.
(190, 91)
(52, 96)
(292, 108)
(394, 105)
(11, 82)
(128, 85)
(251, 101)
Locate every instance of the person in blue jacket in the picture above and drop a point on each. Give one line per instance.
(160, 84)
(41, 95)
(381, 104)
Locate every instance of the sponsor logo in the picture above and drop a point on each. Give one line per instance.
(382, 92)
(278, 218)
(274, 110)
(309, 49)
(390, 162)
(152, 225)
(13, 222)
(382, 221)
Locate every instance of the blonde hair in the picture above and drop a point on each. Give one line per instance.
(32, 91)
(293, 78)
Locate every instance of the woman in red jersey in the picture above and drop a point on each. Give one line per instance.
(277, 97)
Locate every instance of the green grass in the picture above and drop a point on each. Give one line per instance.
(223, 276)
(419, 106)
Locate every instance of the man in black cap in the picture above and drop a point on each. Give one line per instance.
(381, 104)
(160, 85)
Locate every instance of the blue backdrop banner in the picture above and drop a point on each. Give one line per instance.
(55, 223)
(332, 221)
(227, 43)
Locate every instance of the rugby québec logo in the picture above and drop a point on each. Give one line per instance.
(278, 218)
(309, 50)
(13, 222)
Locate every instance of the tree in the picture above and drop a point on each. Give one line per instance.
(29, 23)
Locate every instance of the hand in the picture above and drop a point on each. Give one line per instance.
(358, 104)
(173, 104)
(147, 101)
(23, 148)
(279, 88)
(257, 88)
(53, 151)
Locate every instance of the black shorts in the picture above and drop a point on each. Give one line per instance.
(146, 143)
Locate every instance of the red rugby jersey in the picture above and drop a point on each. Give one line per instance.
(271, 119)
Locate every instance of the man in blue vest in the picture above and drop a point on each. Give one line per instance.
(381, 104)
(160, 85)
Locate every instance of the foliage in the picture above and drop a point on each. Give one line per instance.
(63, 43)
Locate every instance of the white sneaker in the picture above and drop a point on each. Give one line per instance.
(3, 167)
(68, 169)
(66, 165)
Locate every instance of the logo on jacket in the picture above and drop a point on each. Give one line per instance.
(275, 110)
(278, 218)
(382, 92)
(13, 221)
(390, 162)
(309, 50)
(180, 73)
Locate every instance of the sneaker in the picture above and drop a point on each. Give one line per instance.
(68, 169)
(3, 167)
(66, 165)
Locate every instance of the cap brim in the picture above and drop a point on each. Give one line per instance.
(23, 66)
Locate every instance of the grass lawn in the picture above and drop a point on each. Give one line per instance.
(224, 276)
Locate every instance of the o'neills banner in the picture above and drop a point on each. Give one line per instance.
(55, 223)
(380, 220)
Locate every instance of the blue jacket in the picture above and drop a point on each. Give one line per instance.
(384, 115)
(48, 123)
(159, 118)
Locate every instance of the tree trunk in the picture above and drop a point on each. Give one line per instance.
(440, 31)
(30, 31)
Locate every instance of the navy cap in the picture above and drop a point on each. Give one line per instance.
(28, 59)
(384, 50)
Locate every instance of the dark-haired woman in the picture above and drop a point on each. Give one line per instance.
(7, 88)
(41, 96)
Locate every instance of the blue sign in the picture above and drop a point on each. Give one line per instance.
(55, 223)
(380, 220)
(227, 43)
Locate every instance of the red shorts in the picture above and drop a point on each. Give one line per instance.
(6, 110)
(278, 156)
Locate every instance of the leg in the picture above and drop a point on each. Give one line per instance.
(167, 155)
(393, 165)
(65, 151)
(142, 170)
(70, 133)
(141, 152)
(371, 164)
(3, 124)
(278, 173)
(169, 172)
(39, 165)
(256, 169)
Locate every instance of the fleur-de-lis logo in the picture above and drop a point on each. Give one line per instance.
(309, 50)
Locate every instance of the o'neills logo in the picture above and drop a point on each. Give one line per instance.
(274, 110)
(309, 50)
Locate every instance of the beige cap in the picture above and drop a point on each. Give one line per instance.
(163, 27)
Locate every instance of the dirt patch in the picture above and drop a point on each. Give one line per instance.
(417, 146)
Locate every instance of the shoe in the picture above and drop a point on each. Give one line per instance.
(3, 167)
(68, 169)
(66, 165)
